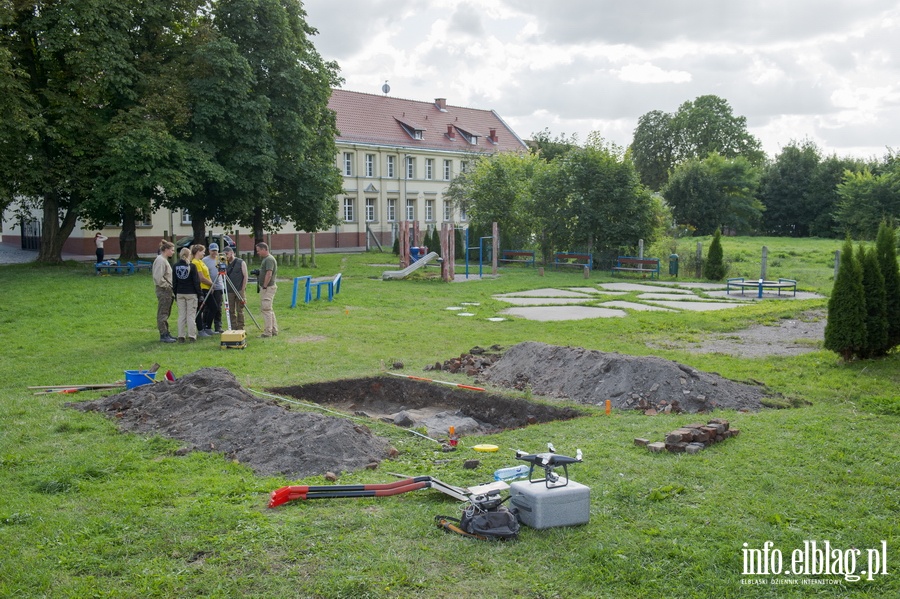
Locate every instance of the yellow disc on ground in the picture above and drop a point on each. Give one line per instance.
(485, 447)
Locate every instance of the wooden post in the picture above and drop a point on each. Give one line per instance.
(587, 272)
(312, 250)
(451, 250)
(416, 232)
(495, 247)
(404, 243)
(765, 261)
(296, 248)
(837, 262)
(445, 249)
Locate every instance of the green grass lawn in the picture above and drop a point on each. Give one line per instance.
(88, 512)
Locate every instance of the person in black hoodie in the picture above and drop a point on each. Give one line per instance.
(186, 286)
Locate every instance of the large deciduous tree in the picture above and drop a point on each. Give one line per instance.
(662, 141)
(866, 198)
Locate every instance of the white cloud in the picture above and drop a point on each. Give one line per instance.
(824, 70)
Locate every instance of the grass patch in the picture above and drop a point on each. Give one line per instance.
(87, 511)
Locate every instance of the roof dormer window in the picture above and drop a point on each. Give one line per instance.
(414, 130)
(470, 136)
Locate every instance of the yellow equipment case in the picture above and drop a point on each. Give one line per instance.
(234, 339)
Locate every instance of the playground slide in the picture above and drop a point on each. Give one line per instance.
(402, 274)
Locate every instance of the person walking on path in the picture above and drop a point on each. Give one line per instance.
(236, 271)
(197, 252)
(213, 316)
(186, 287)
(162, 277)
(267, 288)
(99, 238)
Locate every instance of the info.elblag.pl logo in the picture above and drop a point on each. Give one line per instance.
(815, 559)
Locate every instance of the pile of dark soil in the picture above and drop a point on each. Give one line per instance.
(636, 382)
(210, 411)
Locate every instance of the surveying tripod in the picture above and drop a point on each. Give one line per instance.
(221, 273)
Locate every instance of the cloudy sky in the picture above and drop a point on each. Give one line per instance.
(824, 70)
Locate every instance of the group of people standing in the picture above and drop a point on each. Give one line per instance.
(197, 285)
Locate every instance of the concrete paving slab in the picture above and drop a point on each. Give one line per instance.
(548, 313)
(689, 285)
(546, 292)
(670, 296)
(595, 291)
(636, 306)
(699, 306)
(752, 295)
(640, 287)
(544, 301)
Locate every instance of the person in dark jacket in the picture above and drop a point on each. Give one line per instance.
(186, 286)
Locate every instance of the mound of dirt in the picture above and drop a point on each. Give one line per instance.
(636, 382)
(211, 411)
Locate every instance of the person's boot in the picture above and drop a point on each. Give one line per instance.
(166, 338)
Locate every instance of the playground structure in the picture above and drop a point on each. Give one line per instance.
(409, 263)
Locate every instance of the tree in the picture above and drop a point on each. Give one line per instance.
(714, 269)
(549, 148)
(866, 198)
(653, 148)
(845, 331)
(876, 304)
(886, 252)
(786, 187)
(71, 65)
(714, 192)
(662, 141)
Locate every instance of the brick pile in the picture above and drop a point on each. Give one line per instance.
(472, 363)
(692, 438)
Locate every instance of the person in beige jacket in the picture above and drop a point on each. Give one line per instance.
(162, 278)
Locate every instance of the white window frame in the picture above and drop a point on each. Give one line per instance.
(392, 210)
(410, 209)
(429, 168)
(462, 213)
(410, 167)
(429, 211)
(349, 205)
(185, 217)
(370, 165)
(448, 169)
(448, 210)
(391, 167)
(348, 164)
(370, 210)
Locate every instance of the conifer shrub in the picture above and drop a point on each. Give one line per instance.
(714, 269)
(845, 331)
(886, 251)
(876, 304)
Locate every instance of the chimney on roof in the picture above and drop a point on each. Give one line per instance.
(493, 136)
(451, 133)
(441, 104)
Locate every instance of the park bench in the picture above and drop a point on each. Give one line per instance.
(520, 256)
(143, 265)
(760, 284)
(580, 260)
(114, 269)
(635, 264)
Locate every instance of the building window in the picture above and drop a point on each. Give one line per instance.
(462, 213)
(185, 217)
(410, 167)
(448, 211)
(463, 166)
(429, 210)
(410, 210)
(348, 210)
(429, 169)
(370, 165)
(348, 164)
(370, 210)
(447, 165)
(392, 210)
(391, 167)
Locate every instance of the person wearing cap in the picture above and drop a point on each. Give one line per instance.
(213, 306)
(236, 271)
(267, 288)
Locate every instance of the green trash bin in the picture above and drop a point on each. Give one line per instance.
(673, 265)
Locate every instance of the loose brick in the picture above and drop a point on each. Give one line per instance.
(656, 447)
(676, 447)
(641, 442)
(694, 448)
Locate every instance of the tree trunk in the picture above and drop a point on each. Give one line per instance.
(258, 233)
(128, 237)
(198, 227)
(54, 233)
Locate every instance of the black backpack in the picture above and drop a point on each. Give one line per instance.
(491, 524)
